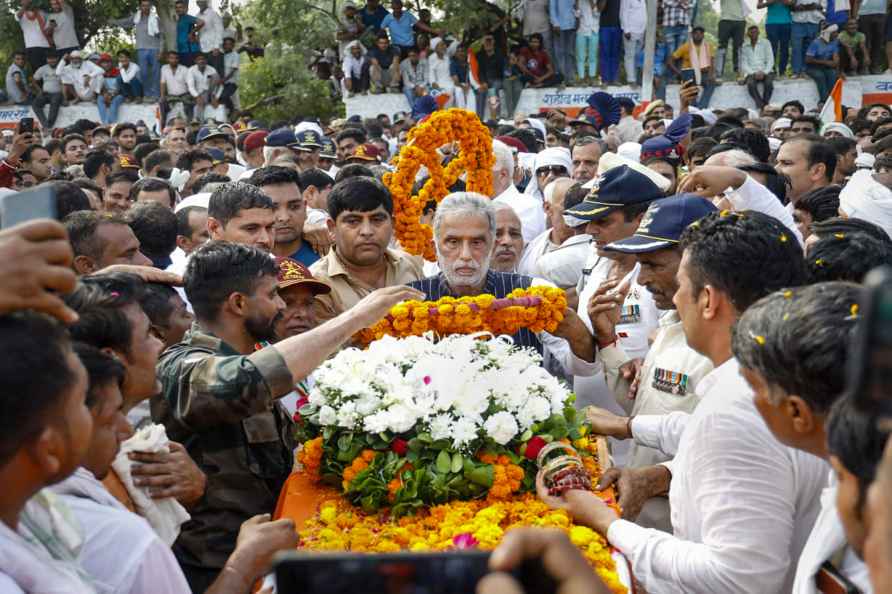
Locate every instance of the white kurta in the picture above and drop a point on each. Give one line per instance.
(742, 503)
(528, 209)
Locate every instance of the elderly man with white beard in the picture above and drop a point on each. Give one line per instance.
(464, 235)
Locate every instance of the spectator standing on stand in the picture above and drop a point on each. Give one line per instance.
(458, 70)
(536, 20)
(854, 57)
(414, 74)
(187, 38)
(562, 14)
(633, 21)
(491, 67)
(232, 62)
(731, 28)
(48, 86)
(807, 16)
(778, 28)
(696, 64)
(756, 65)
(400, 24)
(17, 81)
(384, 66)
(871, 15)
(61, 26)
(37, 40)
(609, 40)
(372, 15)
(822, 60)
(147, 32)
(676, 20)
(587, 41)
(210, 34)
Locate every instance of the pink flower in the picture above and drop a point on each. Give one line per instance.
(465, 540)
(427, 380)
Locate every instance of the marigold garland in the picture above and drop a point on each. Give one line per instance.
(539, 308)
(474, 157)
(340, 526)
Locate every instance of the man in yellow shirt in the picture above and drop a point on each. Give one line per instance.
(696, 60)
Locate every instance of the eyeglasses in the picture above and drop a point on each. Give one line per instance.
(551, 169)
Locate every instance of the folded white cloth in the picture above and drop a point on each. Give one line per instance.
(152, 27)
(165, 516)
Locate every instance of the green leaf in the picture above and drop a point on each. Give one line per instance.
(425, 438)
(344, 441)
(444, 462)
(482, 475)
(526, 435)
(457, 462)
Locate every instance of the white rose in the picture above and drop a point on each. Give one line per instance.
(327, 416)
(501, 427)
(347, 415)
(441, 427)
(400, 418)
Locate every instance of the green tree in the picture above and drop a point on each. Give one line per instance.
(280, 86)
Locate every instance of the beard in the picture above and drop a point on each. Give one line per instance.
(459, 280)
(263, 329)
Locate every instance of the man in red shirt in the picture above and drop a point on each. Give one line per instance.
(535, 65)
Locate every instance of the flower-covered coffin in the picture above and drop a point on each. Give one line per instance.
(422, 444)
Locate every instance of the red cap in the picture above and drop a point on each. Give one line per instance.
(105, 58)
(366, 152)
(514, 143)
(255, 140)
(292, 272)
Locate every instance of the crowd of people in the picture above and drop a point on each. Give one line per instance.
(199, 79)
(553, 43)
(167, 323)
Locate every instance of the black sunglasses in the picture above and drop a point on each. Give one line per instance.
(555, 169)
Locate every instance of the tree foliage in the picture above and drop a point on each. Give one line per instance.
(282, 87)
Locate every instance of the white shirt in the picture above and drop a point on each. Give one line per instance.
(754, 196)
(231, 64)
(129, 73)
(528, 209)
(563, 265)
(175, 82)
(438, 71)
(210, 36)
(756, 59)
(640, 317)
(64, 34)
(742, 503)
(589, 17)
(534, 250)
(558, 349)
(75, 76)
(352, 65)
(200, 81)
(826, 538)
(633, 16)
(120, 551)
(31, 30)
(629, 129)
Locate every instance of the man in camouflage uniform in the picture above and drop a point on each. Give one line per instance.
(220, 393)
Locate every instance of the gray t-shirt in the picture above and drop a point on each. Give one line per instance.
(141, 32)
(52, 82)
(12, 89)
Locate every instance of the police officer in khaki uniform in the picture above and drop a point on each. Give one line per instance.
(671, 369)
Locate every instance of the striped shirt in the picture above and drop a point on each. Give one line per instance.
(499, 284)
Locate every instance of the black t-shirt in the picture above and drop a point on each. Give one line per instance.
(610, 16)
(491, 67)
(385, 58)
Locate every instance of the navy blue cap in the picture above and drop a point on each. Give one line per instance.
(308, 140)
(668, 144)
(617, 187)
(602, 111)
(217, 156)
(281, 137)
(329, 150)
(207, 132)
(663, 223)
(626, 102)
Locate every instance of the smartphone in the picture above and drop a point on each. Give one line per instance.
(38, 203)
(26, 126)
(450, 572)
(869, 378)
